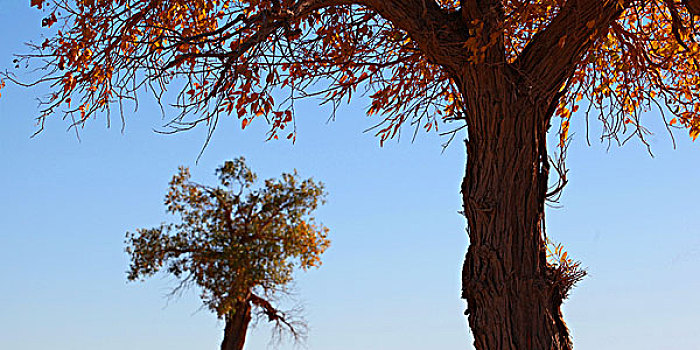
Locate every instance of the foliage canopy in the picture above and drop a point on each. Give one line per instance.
(236, 242)
(239, 56)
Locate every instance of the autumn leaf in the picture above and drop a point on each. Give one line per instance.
(694, 133)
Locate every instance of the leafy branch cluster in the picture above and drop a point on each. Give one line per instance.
(648, 59)
(246, 58)
(565, 272)
(254, 58)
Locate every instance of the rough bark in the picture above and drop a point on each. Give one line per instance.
(513, 303)
(236, 326)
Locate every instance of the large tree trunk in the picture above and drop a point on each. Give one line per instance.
(512, 300)
(236, 326)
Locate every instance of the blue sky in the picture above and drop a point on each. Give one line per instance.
(390, 279)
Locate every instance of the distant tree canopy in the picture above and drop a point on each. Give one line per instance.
(237, 243)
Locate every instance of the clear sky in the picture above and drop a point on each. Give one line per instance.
(391, 278)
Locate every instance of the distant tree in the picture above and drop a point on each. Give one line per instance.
(506, 70)
(237, 243)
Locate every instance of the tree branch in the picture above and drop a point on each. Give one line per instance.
(570, 34)
(439, 34)
(273, 315)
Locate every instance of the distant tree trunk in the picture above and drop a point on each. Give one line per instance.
(236, 327)
(512, 302)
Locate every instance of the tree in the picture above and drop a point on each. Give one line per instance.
(238, 244)
(504, 69)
